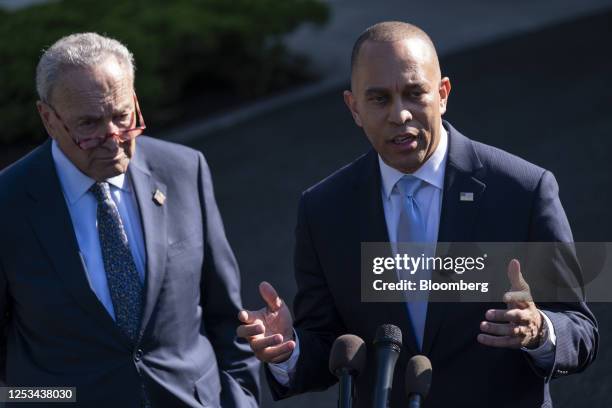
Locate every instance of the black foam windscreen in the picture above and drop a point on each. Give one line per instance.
(348, 351)
(418, 376)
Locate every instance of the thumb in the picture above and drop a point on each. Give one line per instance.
(517, 281)
(269, 295)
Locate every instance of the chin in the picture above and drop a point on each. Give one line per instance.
(104, 174)
(407, 165)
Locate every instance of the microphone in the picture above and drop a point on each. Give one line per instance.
(418, 380)
(346, 360)
(388, 344)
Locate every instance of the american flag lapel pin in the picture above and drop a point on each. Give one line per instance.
(466, 196)
(159, 198)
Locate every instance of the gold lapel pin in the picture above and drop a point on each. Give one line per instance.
(466, 196)
(159, 197)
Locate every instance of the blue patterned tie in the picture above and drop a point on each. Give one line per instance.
(411, 228)
(124, 282)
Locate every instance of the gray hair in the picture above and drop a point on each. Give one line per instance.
(79, 50)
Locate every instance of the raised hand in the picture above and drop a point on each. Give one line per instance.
(521, 323)
(268, 330)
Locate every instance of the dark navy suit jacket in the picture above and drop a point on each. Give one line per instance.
(514, 201)
(55, 332)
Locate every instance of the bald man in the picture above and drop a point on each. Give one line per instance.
(483, 354)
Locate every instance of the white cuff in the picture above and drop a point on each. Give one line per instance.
(544, 355)
(283, 371)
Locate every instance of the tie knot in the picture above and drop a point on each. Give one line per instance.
(101, 191)
(408, 185)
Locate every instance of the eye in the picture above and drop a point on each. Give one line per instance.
(122, 118)
(87, 123)
(378, 99)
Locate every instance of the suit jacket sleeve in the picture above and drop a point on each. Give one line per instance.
(317, 321)
(221, 302)
(574, 324)
(4, 315)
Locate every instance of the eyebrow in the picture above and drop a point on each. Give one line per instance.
(378, 90)
(125, 107)
(88, 117)
(121, 109)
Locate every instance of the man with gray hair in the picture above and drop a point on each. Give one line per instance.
(116, 276)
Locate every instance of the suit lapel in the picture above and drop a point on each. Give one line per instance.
(458, 217)
(464, 172)
(153, 219)
(52, 225)
(373, 228)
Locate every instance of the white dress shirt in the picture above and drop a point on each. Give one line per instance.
(428, 196)
(429, 200)
(82, 206)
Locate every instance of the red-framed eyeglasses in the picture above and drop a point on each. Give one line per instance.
(87, 138)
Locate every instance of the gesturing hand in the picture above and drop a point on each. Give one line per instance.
(519, 325)
(268, 330)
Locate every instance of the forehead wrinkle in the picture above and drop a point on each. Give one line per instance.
(94, 93)
(90, 102)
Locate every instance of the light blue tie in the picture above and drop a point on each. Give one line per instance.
(411, 228)
(124, 282)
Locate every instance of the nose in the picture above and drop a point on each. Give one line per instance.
(399, 113)
(111, 129)
(110, 136)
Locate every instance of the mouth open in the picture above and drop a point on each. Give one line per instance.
(404, 139)
(406, 142)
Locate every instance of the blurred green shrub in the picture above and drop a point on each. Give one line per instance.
(185, 50)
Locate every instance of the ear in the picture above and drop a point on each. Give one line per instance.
(445, 88)
(351, 103)
(45, 115)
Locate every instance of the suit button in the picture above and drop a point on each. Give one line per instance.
(138, 355)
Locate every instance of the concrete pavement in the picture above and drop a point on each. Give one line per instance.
(453, 25)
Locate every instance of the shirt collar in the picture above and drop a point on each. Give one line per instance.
(74, 183)
(431, 172)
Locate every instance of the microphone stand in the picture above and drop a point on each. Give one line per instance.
(345, 395)
(414, 401)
